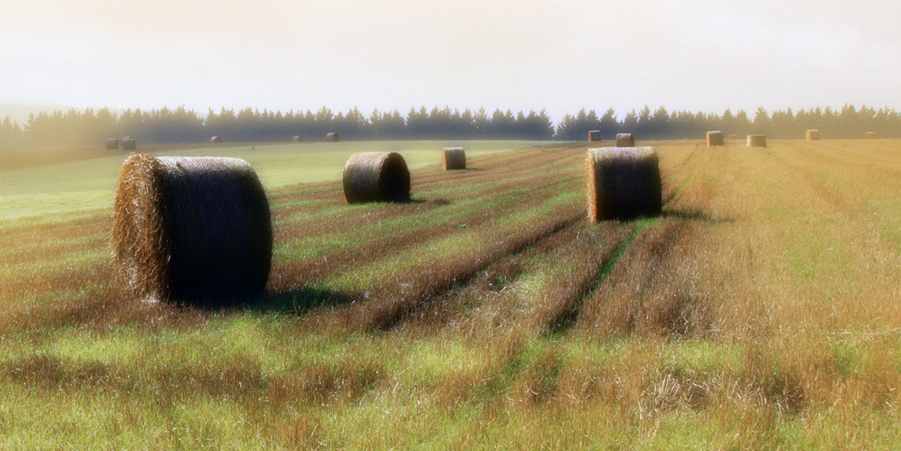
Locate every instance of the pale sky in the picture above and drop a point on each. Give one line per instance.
(698, 55)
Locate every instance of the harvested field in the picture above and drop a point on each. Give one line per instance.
(758, 311)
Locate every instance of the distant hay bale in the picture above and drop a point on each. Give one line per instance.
(715, 139)
(869, 135)
(623, 183)
(112, 143)
(732, 136)
(625, 140)
(297, 139)
(813, 135)
(128, 143)
(191, 229)
(453, 158)
(756, 141)
(332, 137)
(376, 177)
(594, 136)
(216, 139)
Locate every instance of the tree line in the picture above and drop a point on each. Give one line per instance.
(182, 125)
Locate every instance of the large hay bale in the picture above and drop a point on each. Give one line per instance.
(715, 139)
(376, 177)
(623, 183)
(813, 135)
(594, 136)
(756, 141)
(869, 135)
(332, 137)
(128, 143)
(216, 139)
(191, 229)
(112, 143)
(625, 140)
(297, 139)
(453, 158)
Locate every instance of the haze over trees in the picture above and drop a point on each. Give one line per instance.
(182, 125)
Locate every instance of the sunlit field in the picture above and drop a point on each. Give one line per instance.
(761, 310)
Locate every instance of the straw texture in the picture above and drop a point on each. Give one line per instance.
(376, 177)
(453, 158)
(623, 183)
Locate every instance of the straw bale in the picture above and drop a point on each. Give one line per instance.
(453, 158)
(128, 143)
(594, 136)
(332, 137)
(192, 230)
(625, 140)
(216, 139)
(112, 143)
(715, 138)
(813, 135)
(623, 183)
(756, 141)
(297, 139)
(376, 177)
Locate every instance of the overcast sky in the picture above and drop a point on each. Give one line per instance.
(562, 55)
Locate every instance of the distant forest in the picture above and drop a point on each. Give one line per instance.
(181, 125)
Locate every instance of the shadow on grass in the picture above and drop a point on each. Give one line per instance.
(302, 300)
(695, 216)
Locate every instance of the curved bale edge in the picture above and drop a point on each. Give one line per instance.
(112, 143)
(715, 138)
(297, 139)
(625, 140)
(813, 135)
(332, 137)
(216, 139)
(453, 158)
(756, 141)
(623, 183)
(194, 230)
(594, 136)
(376, 177)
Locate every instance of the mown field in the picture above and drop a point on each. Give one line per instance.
(762, 310)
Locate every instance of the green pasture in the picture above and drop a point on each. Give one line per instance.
(90, 184)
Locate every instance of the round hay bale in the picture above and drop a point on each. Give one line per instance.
(625, 140)
(216, 139)
(112, 143)
(297, 139)
(813, 135)
(623, 183)
(715, 139)
(191, 229)
(376, 177)
(594, 136)
(732, 136)
(332, 137)
(128, 143)
(756, 141)
(869, 135)
(453, 158)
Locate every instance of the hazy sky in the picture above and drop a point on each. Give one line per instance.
(393, 54)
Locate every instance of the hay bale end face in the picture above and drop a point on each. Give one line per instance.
(332, 137)
(453, 158)
(756, 141)
(625, 140)
(869, 135)
(194, 230)
(813, 135)
(297, 139)
(112, 143)
(594, 136)
(216, 139)
(715, 139)
(623, 183)
(376, 177)
(128, 143)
